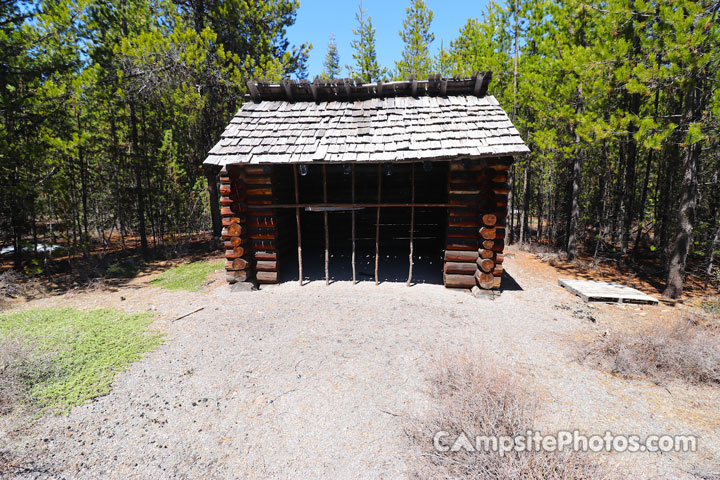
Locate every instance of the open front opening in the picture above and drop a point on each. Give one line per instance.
(354, 191)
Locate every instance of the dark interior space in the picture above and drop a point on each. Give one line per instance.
(394, 237)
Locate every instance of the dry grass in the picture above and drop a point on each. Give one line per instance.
(15, 285)
(20, 367)
(709, 313)
(473, 397)
(687, 350)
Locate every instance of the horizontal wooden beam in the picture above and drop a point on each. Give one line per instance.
(350, 205)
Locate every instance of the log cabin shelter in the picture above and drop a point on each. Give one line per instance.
(401, 181)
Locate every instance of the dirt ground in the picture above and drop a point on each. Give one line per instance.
(321, 381)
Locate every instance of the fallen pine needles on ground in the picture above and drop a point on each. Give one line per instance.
(473, 397)
(684, 349)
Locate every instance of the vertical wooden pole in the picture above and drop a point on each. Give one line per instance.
(377, 224)
(412, 221)
(327, 234)
(352, 190)
(297, 221)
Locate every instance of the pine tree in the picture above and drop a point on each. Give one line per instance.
(365, 55)
(416, 60)
(443, 61)
(332, 61)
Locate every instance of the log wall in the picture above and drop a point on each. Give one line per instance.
(477, 192)
(262, 223)
(475, 235)
(233, 201)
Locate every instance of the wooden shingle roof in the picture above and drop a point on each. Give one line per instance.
(435, 119)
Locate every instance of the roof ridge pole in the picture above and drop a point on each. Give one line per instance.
(377, 224)
(297, 221)
(412, 221)
(327, 233)
(352, 190)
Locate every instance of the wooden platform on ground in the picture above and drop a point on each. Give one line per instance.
(594, 291)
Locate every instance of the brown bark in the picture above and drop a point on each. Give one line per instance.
(683, 237)
(485, 280)
(688, 200)
(574, 209)
(458, 281)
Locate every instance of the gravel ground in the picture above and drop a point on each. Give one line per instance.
(319, 382)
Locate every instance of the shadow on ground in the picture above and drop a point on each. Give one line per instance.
(393, 266)
(508, 283)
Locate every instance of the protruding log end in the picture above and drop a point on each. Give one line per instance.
(485, 280)
(236, 276)
(483, 253)
(486, 265)
(488, 233)
(236, 264)
(234, 252)
(235, 230)
(489, 219)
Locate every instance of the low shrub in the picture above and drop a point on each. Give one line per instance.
(14, 284)
(21, 367)
(472, 396)
(712, 308)
(124, 269)
(686, 350)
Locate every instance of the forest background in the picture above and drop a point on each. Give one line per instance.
(108, 108)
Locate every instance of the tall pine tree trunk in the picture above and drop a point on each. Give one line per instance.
(630, 176)
(711, 253)
(646, 183)
(139, 194)
(525, 205)
(688, 199)
(207, 131)
(631, 146)
(574, 213)
(668, 196)
(574, 207)
(136, 153)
